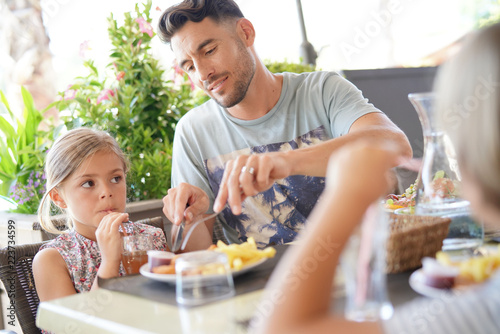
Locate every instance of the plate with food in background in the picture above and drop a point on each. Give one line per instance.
(442, 275)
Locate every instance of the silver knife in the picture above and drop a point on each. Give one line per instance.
(178, 239)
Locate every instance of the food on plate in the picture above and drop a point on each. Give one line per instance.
(441, 187)
(407, 199)
(475, 269)
(207, 269)
(239, 256)
(168, 269)
(438, 275)
(244, 254)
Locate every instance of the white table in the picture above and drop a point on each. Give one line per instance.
(135, 304)
(105, 311)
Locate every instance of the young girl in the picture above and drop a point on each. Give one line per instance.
(468, 105)
(86, 172)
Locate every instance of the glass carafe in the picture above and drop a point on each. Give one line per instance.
(439, 180)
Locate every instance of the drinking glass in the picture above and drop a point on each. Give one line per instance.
(134, 253)
(363, 267)
(201, 277)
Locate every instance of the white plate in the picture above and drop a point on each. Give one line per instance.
(417, 283)
(169, 278)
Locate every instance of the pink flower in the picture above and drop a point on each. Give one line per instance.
(69, 94)
(179, 76)
(177, 69)
(144, 26)
(84, 47)
(105, 94)
(120, 75)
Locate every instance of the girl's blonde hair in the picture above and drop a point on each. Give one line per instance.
(468, 107)
(65, 157)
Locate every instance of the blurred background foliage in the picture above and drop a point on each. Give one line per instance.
(135, 101)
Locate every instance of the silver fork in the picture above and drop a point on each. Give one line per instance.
(177, 243)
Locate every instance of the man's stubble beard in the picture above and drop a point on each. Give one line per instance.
(244, 74)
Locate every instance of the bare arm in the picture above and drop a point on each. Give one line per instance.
(51, 275)
(301, 296)
(311, 161)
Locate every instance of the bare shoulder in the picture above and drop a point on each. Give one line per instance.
(48, 257)
(51, 275)
(49, 261)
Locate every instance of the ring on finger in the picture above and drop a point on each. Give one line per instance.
(250, 170)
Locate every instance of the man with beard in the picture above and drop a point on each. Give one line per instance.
(257, 151)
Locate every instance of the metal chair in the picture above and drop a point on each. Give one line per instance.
(17, 276)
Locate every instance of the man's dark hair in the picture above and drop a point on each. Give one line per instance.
(176, 16)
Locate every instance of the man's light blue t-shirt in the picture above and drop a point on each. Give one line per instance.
(313, 108)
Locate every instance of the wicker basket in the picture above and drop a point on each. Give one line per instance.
(412, 238)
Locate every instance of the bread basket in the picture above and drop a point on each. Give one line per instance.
(411, 238)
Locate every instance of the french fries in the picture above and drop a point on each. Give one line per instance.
(476, 269)
(239, 256)
(242, 255)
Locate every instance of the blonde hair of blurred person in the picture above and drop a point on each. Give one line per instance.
(469, 110)
(468, 105)
(63, 159)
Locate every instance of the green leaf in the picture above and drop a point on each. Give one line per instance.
(7, 203)
(6, 104)
(7, 128)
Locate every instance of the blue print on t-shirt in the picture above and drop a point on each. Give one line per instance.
(278, 214)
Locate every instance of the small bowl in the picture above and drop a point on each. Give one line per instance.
(159, 258)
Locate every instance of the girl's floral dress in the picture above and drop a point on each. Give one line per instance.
(83, 258)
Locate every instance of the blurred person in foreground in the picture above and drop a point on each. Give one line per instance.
(468, 105)
(262, 143)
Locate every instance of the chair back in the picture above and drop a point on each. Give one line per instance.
(155, 221)
(17, 277)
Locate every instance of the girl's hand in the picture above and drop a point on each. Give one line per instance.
(109, 240)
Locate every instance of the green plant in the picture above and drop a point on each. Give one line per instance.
(22, 151)
(286, 66)
(134, 101)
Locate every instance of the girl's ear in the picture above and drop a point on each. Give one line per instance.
(56, 197)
